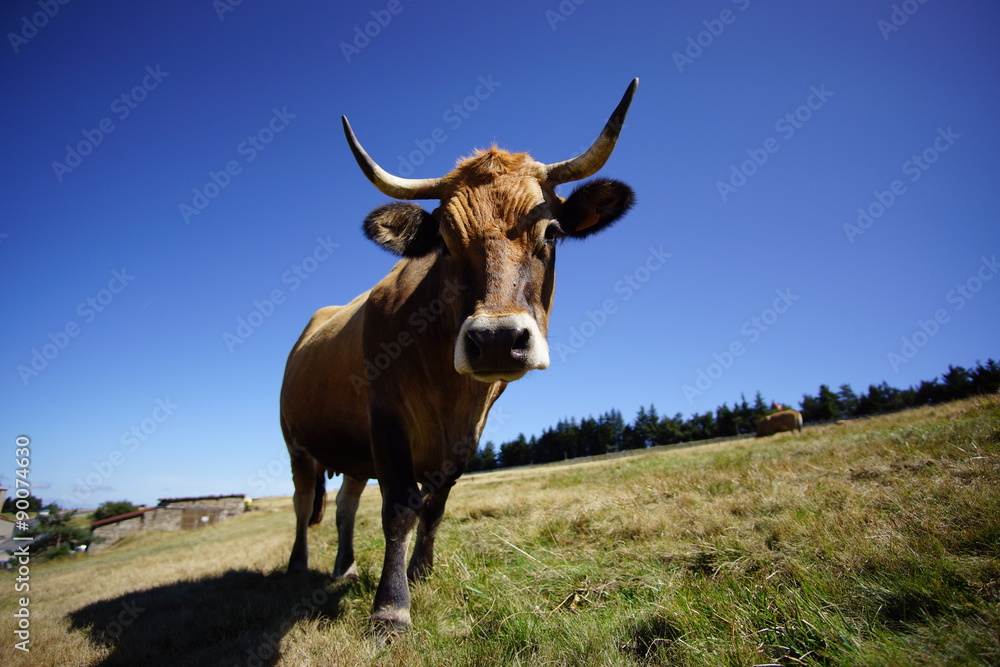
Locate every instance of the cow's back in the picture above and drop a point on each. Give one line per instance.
(324, 397)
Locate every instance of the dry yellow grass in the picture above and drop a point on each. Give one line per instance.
(871, 543)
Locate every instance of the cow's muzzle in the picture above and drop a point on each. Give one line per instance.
(500, 347)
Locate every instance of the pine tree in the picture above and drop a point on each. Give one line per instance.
(957, 383)
(726, 420)
(986, 379)
(488, 457)
(847, 401)
(515, 453)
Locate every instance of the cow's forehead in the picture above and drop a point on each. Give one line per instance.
(493, 191)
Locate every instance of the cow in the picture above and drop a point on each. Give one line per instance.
(397, 384)
(786, 420)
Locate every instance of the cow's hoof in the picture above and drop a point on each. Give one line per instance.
(387, 624)
(348, 578)
(298, 567)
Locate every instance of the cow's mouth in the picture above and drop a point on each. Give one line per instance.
(495, 348)
(506, 376)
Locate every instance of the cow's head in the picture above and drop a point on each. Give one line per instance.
(496, 226)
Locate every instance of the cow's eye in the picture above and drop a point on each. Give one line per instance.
(553, 232)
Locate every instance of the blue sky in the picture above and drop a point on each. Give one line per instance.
(817, 187)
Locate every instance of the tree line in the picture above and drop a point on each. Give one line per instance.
(607, 433)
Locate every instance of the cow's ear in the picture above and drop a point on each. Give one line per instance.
(594, 206)
(403, 229)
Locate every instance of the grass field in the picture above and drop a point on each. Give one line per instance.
(871, 543)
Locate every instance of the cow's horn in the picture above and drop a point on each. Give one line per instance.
(589, 162)
(393, 186)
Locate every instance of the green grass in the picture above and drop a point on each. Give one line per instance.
(871, 543)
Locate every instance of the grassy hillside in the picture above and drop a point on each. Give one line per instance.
(871, 543)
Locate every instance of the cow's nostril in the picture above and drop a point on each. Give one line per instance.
(522, 341)
(472, 349)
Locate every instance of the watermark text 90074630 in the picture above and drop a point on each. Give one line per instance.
(21, 556)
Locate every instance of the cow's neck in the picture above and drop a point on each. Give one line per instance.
(446, 411)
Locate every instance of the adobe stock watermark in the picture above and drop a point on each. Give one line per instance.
(30, 25)
(435, 480)
(22, 555)
(898, 17)
(626, 288)
(363, 34)
(269, 649)
(277, 469)
(293, 277)
(957, 297)
(454, 116)
(915, 167)
(418, 322)
(786, 126)
(248, 149)
(122, 107)
(702, 40)
(87, 311)
(130, 611)
(751, 331)
(130, 441)
(223, 7)
(562, 12)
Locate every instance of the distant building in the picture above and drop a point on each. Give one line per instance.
(115, 528)
(219, 507)
(170, 514)
(6, 528)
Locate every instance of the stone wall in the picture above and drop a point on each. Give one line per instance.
(173, 514)
(230, 506)
(112, 532)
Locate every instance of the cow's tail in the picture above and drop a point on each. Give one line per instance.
(319, 498)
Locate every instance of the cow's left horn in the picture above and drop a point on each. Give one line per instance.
(589, 162)
(393, 186)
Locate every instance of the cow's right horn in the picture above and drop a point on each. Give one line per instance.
(589, 162)
(388, 184)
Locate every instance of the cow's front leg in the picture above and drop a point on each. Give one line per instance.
(401, 501)
(431, 513)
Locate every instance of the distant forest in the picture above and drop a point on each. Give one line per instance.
(609, 432)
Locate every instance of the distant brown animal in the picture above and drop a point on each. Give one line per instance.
(397, 384)
(786, 420)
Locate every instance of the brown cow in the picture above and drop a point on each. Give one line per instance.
(397, 384)
(786, 420)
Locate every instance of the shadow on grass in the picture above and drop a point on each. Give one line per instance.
(237, 618)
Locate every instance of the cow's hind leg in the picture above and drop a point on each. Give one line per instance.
(309, 501)
(347, 507)
(431, 513)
